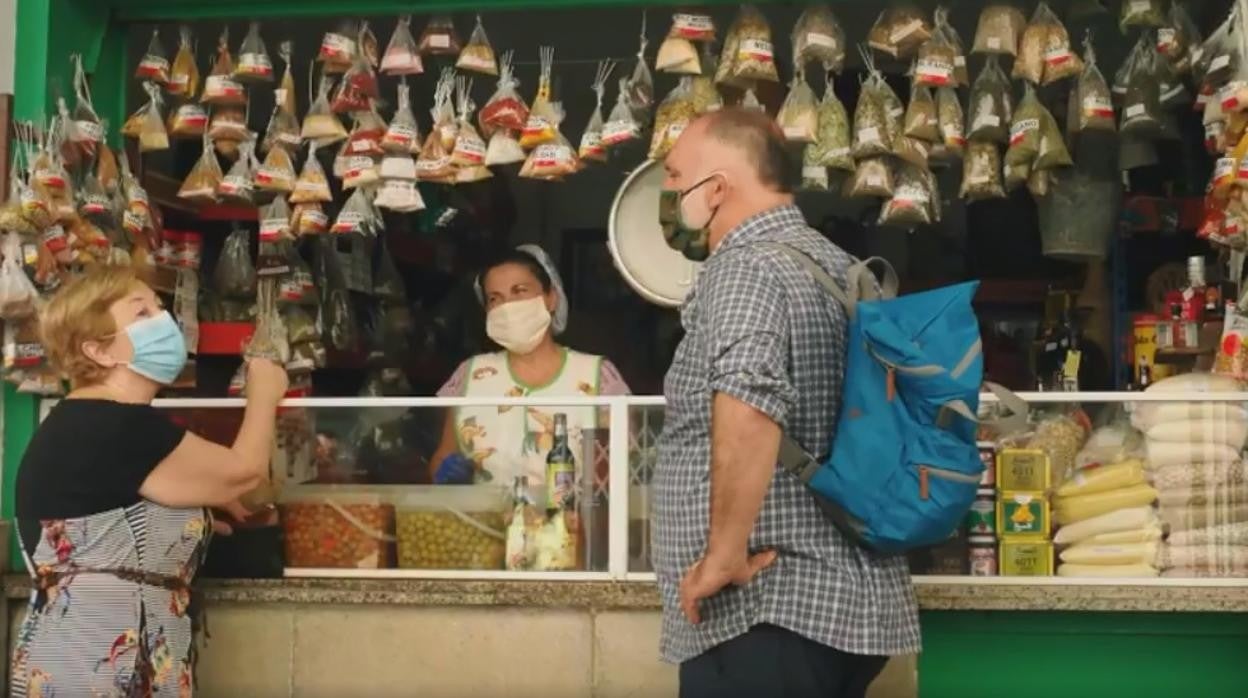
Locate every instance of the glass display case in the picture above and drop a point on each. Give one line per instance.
(1099, 486)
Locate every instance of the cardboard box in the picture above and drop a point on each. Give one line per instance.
(1026, 559)
(1023, 470)
(1024, 515)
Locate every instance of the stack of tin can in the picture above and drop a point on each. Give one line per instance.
(1023, 519)
(981, 521)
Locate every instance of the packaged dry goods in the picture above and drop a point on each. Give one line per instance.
(872, 133)
(228, 124)
(1025, 129)
(945, 31)
(238, 185)
(540, 128)
(469, 150)
(592, 146)
(399, 195)
(981, 172)
(402, 135)
(254, 63)
(312, 185)
(818, 38)
(398, 166)
(553, 160)
(753, 57)
(678, 55)
(235, 272)
(910, 204)
(277, 172)
(321, 125)
(921, 120)
(872, 178)
(358, 88)
(366, 134)
(990, 112)
(402, 56)
(832, 142)
(674, 114)
(309, 219)
(704, 93)
(283, 131)
(184, 73)
(337, 531)
(1141, 13)
(1178, 39)
(814, 175)
(1052, 152)
(899, 31)
(692, 27)
(1141, 101)
(950, 121)
(463, 530)
(154, 65)
(357, 217)
(503, 149)
(18, 296)
(220, 87)
(440, 38)
(798, 116)
(505, 109)
(147, 124)
(937, 62)
(200, 185)
(621, 125)
(641, 83)
(1029, 63)
(478, 54)
(999, 30)
(434, 162)
(1092, 96)
(339, 47)
(1217, 59)
(189, 120)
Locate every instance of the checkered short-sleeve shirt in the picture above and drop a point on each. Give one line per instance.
(760, 329)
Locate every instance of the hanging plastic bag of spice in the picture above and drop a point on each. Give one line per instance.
(950, 121)
(106, 170)
(151, 125)
(554, 160)
(894, 110)
(921, 120)
(284, 95)
(505, 110)
(910, 204)
(1025, 129)
(312, 185)
(1060, 62)
(1052, 152)
(366, 135)
(674, 114)
(705, 95)
(1218, 57)
(184, 73)
(678, 56)
(872, 178)
(818, 38)
(478, 55)
(641, 83)
(235, 273)
(540, 128)
(989, 113)
(899, 31)
(400, 166)
(871, 131)
(912, 150)
(621, 125)
(403, 133)
(359, 171)
(321, 125)
(936, 64)
(799, 117)
(357, 90)
(1092, 96)
(1171, 90)
(87, 133)
(18, 296)
(338, 47)
(944, 30)
(356, 216)
(220, 87)
(592, 147)
(254, 64)
(503, 149)
(238, 185)
(277, 172)
(93, 202)
(440, 37)
(832, 143)
(309, 219)
(1016, 175)
(275, 222)
(402, 56)
(434, 163)
(1029, 64)
(228, 124)
(469, 148)
(755, 54)
(189, 120)
(154, 65)
(1141, 104)
(814, 175)
(1000, 26)
(1178, 39)
(1141, 13)
(282, 131)
(981, 172)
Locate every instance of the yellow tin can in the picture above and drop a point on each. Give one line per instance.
(1023, 470)
(1026, 559)
(1023, 515)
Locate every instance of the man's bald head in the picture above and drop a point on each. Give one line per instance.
(754, 135)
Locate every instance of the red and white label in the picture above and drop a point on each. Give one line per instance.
(756, 50)
(693, 27)
(470, 149)
(336, 47)
(615, 132)
(255, 65)
(313, 221)
(933, 71)
(273, 229)
(1021, 128)
(222, 87)
(347, 222)
(1058, 56)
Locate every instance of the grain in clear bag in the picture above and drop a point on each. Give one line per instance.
(755, 57)
(551, 161)
(220, 87)
(200, 185)
(403, 133)
(831, 148)
(910, 204)
(819, 38)
(440, 38)
(282, 131)
(981, 172)
(678, 55)
(1092, 97)
(921, 119)
(321, 125)
(1029, 63)
(1141, 103)
(469, 150)
(999, 29)
(899, 31)
(238, 185)
(937, 62)
(478, 54)
(228, 124)
(798, 117)
(154, 65)
(872, 178)
(592, 147)
(1060, 61)
(503, 149)
(814, 173)
(254, 64)
(989, 115)
(872, 135)
(277, 172)
(357, 217)
(184, 73)
(402, 56)
(1052, 152)
(539, 128)
(950, 121)
(673, 115)
(1025, 129)
(312, 185)
(504, 109)
(1178, 40)
(152, 133)
(235, 273)
(434, 162)
(621, 125)
(309, 219)
(339, 47)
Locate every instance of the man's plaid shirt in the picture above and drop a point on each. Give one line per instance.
(759, 328)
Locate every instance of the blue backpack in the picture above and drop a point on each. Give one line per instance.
(904, 467)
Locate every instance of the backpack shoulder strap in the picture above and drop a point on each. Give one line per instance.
(862, 283)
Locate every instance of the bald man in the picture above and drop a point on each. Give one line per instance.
(762, 596)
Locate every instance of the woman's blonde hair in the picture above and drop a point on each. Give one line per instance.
(79, 313)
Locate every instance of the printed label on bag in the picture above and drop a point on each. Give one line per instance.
(755, 50)
(1021, 128)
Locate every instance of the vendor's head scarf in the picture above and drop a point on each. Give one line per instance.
(559, 316)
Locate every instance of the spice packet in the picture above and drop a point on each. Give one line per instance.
(1060, 62)
(910, 204)
(798, 117)
(981, 172)
(401, 166)
(469, 150)
(277, 172)
(674, 114)
(357, 217)
(592, 147)
(872, 178)
(503, 149)
(220, 88)
(228, 124)
(921, 120)
(184, 73)
(641, 82)
(357, 90)
(189, 120)
(439, 37)
(1141, 13)
(552, 160)
(200, 185)
(621, 125)
(990, 111)
(235, 273)
(254, 64)
(505, 109)
(1092, 96)
(154, 65)
(312, 185)
(282, 131)
(366, 135)
(872, 134)
(399, 196)
(540, 126)
(339, 47)
(434, 162)
(309, 219)
(402, 56)
(320, 124)
(754, 57)
(1141, 101)
(819, 38)
(899, 32)
(1025, 129)
(1178, 40)
(814, 175)
(478, 55)
(403, 134)
(999, 29)
(832, 142)
(238, 185)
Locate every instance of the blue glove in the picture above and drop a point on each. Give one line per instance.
(455, 469)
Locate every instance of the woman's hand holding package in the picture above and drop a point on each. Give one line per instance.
(266, 381)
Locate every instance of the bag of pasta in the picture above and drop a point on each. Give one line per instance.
(798, 116)
(440, 38)
(989, 114)
(818, 38)
(937, 63)
(1025, 129)
(238, 185)
(832, 143)
(999, 29)
(754, 58)
(872, 178)
(402, 56)
(540, 126)
(921, 120)
(235, 273)
(674, 114)
(220, 87)
(911, 202)
(1141, 101)
(1141, 13)
(899, 31)
(184, 73)
(1092, 96)
(505, 110)
(254, 63)
(981, 172)
(871, 130)
(950, 121)
(200, 185)
(551, 161)
(312, 185)
(321, 125)
(1179, 39)
(478, 55)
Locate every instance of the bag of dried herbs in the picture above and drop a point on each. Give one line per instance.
(999, 28)
(1052, 152)
(981, 172)
(235, 273)
(988, 116)
(592, 146)
(440, 38)
(1025, 129)
(1141, 13)
(910, 204)
(754, 58)
(818, 38)
(872, 135)
(402, 56)
(1029, 63)
(674, 114)
(814, 173)
(921, 120)
(1060, 62)
(872, 178)
(832, 142)
(798, 116)
(937, 63)
(950, 121)
(899, 31)
(641, 83)
(1092, 97)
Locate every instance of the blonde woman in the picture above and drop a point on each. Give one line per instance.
(112, 497)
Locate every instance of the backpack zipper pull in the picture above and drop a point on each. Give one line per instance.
(890, 383)
(923, 493)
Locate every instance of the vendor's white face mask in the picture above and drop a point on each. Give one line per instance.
(519, 326)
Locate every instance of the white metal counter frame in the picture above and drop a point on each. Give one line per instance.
(618, 478)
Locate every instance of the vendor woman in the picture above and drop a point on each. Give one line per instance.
(525, 308)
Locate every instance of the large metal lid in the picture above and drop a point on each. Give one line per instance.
(660, 274)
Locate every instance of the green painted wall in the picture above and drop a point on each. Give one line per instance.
(991, 654)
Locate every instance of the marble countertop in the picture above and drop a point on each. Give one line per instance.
(934, 593)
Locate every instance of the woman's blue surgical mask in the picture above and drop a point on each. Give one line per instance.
(159, 348)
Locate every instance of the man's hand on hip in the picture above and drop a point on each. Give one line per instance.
(710, 574)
